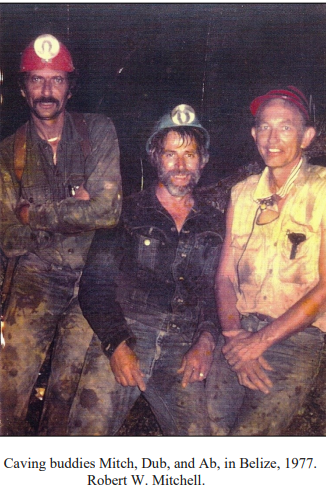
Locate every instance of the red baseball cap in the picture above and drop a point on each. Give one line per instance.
(291, 93)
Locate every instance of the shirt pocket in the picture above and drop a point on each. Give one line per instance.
(249, 257)
(303, 268)
(36, 191)
(73, 182)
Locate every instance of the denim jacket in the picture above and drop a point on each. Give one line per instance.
(145, 270)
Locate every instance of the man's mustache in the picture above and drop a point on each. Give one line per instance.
(170, 174)
(44, 99)
(176, 173)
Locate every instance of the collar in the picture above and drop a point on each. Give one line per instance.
(69, 132)
(195, 209)
(263, 191)
(147, 199)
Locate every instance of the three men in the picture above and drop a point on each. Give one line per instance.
(271, 284)
(147, 291)
(60, 181)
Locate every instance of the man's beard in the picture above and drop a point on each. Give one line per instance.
(174, 190)
(45, 99)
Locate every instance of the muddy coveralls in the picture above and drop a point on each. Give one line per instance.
(52, 250)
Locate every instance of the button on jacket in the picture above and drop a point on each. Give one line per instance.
(145, 270)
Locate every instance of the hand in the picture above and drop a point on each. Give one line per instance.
(252, 375)
(198, 360)
(125, 366)
(242, 346)
(22, 213)
(81, 193)
(229, 335)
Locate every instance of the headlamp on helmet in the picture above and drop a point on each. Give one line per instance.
(46, 52)
(182, 115)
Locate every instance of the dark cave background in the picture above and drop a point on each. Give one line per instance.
(137, 61)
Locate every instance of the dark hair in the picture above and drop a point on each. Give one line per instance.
(186, 133)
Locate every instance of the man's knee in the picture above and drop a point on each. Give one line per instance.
(268, 415)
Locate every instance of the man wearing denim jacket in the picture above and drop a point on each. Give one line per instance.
(147, 292)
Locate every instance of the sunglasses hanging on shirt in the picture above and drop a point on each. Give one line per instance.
(268, 206)
(268, 210)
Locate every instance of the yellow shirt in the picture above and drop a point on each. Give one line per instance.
(266, 280)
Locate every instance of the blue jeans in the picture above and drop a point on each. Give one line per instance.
(239, 411)
(101, 404)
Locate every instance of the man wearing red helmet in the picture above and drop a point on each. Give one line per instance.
(60, 181)
(270, 286)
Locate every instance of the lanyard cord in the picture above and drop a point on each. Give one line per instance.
(245, 247)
